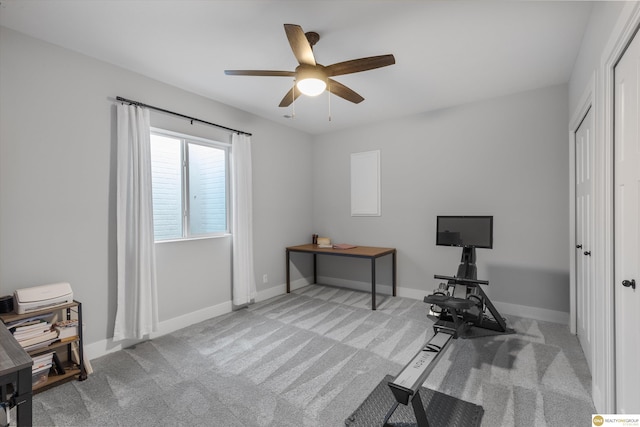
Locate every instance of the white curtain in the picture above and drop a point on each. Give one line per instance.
(244, 283)
(137, 310)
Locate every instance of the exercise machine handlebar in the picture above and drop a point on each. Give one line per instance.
(462, 280)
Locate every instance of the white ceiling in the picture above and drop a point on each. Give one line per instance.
(447, 52)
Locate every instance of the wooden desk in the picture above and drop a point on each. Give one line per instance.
(15, 367)
(368, 252)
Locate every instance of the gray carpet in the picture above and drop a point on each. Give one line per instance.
(311, 358)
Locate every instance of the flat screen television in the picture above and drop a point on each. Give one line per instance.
(465, 231)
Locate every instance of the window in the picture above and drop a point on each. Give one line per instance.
(190, 186)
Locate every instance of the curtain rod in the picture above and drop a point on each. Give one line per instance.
(193, 119)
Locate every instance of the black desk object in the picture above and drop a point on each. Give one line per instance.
(15, 370)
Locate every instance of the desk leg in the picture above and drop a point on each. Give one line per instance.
(315, 269)
(24, 414)
(83, 369)
(373, 283)
(393, 269)
(287, 273)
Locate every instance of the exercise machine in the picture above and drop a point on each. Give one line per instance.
(460, 307)
(463, 296)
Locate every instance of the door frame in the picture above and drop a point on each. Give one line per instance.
(575, 124)
(586, 102)
(621, 37)
(600, 376)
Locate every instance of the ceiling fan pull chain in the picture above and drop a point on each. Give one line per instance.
(329, 98)
(293, 100)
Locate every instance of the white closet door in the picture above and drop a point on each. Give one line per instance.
(627, 232)
(584, 237)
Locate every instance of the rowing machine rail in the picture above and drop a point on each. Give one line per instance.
(417, 370)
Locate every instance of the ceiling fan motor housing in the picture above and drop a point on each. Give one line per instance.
(311, 72)
(312, 37)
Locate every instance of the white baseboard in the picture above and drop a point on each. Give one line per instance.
(269, 293)
(413, 293)
(535, 313)
(275, 291)
(108, 345)
(353, 284)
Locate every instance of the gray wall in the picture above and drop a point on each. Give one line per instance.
(57, 184)
(505, 157)
(601, 21)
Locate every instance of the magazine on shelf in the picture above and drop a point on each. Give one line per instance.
(42, 360)
(40, 345)
(29, 321)
(40, 329)
(344, 246)
(46, 336)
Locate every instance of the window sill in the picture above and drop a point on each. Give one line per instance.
(188, 239)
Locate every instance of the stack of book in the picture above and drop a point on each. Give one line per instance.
(42, 361)
(67, 329)
(40, 369)
(33, 333)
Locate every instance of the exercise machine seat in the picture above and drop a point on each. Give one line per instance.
(445, 301)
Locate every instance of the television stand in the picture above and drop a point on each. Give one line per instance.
(467, 267)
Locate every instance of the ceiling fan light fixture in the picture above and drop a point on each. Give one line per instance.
(311, 80)
(311, 86)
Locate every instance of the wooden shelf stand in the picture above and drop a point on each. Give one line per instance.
(72, 370)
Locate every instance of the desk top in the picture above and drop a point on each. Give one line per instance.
(358, 251)
(12, 356)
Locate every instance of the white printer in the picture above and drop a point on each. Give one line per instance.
(42, 297)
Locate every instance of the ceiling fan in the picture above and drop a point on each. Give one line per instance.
(312, 78)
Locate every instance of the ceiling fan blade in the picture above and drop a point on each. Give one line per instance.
(299, 44)
(291, 96)
(362, 64)
(259, 73)
(343, 92)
